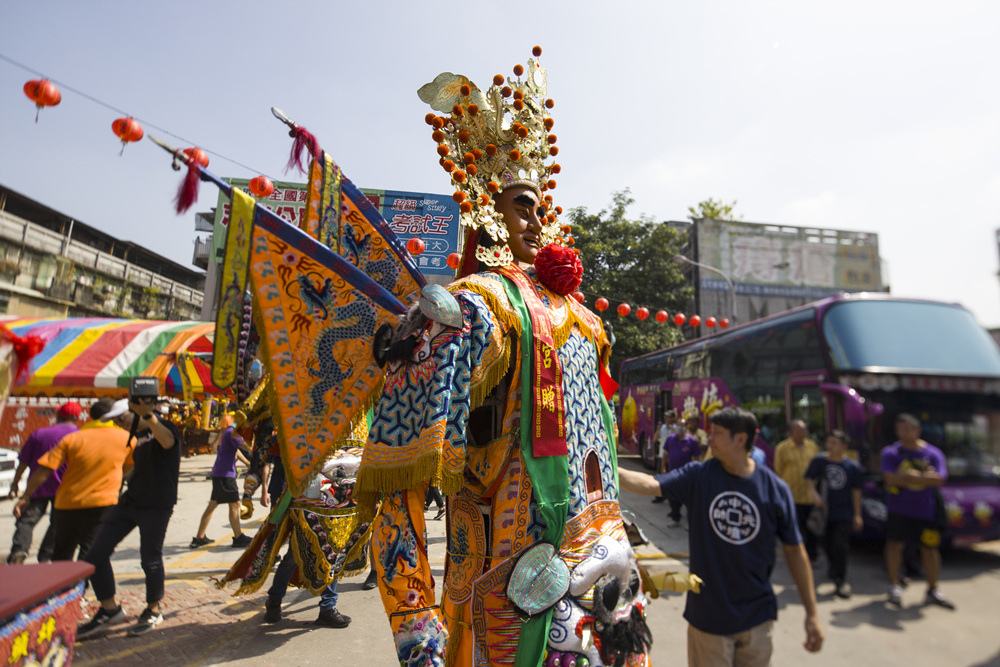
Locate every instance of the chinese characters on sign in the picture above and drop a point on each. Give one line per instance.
(433, 218)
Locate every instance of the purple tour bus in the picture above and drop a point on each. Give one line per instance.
(851, 362)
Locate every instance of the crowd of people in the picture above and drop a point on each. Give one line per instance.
(80, 471)
(498, 396)
(738, 508)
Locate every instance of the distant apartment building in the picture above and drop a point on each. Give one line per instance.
(752, 270)
(52, 265)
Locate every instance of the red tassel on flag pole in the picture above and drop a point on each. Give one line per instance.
(188, 194)
(302, 139)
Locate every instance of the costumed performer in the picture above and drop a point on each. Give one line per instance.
(509, 417)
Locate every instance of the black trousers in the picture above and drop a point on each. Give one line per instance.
(76, 529)
(836, 544)
(675, 510)
(24, 527)
(152, 523)
(802, 515)
(433, 494)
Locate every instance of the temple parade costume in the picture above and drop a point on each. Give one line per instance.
(321, 526)
(310, 323)
(508, 415)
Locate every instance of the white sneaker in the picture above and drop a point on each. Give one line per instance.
(673, 524)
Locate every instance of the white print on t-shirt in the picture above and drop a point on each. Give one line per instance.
(734, 517)
(836, 477)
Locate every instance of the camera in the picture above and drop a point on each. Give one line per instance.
(144, 386)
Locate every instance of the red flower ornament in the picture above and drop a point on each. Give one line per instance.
(559, 268)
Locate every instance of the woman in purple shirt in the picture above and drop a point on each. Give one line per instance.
(38, 444)
(224, 489)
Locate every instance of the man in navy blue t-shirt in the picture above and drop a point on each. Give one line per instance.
(737, 511)
(835, 483)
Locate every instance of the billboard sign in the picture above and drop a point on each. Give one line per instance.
(433, 218)
(790, 261)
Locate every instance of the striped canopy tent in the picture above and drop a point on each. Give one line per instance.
(99, 356)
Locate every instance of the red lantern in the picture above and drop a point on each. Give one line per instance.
(710, 322)
(415, 246)
(579, 297)
(43, 93)
(624, 309)
(601, 304)
(127, 129)
(261, 186)
(197, 155)
(454, 260)
(642, 313)
(695, 320)
(724, 323)
(661, 316)
(679, 319)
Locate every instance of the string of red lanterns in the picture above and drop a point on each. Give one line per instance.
(624, 309)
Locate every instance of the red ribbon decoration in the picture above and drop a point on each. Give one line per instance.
(548, 409)
(25, 350)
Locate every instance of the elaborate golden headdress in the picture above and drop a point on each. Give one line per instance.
(491, 141)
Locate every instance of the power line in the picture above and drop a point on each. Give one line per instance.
(65, 86)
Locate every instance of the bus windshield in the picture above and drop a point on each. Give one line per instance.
(909, 335)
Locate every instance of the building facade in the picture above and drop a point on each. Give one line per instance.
(762, 269)
(54, 266)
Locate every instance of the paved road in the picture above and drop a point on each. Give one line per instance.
(206, 626)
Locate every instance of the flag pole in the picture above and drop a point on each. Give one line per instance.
(301, 241)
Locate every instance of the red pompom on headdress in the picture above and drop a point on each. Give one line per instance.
(559, 268)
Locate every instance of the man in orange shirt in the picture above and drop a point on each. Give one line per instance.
(95, 458)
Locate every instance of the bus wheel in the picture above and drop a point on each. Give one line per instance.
(647, 450)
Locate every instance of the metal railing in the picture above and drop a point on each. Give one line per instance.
(44, 240)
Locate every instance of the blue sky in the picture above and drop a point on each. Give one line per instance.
(880, 116)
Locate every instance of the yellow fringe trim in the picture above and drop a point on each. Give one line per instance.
(562, 333)
(374, 481)
(492, 377)
(501, 309)
(455, 631)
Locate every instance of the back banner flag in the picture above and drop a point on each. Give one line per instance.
(233, 277)
(316, 329)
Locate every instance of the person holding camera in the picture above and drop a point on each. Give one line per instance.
(147, 503)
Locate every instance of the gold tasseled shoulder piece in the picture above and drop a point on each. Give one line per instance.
(490, 288)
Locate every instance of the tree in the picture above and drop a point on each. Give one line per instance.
(713, 210)
(630, 261)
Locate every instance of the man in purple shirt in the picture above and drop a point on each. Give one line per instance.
(224, 489)
(679, 450)
(913, 471)
(39, 443)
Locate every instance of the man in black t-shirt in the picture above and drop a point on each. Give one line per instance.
(147, 503)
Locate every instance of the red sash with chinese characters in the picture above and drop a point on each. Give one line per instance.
(548, 411)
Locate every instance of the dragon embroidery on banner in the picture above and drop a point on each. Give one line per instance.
(358, 251)
(353, 321)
